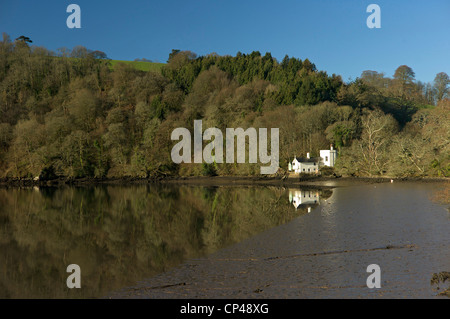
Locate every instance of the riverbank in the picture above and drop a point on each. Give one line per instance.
(312, 181)
(319, 181)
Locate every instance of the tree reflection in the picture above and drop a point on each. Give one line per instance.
(119, 235)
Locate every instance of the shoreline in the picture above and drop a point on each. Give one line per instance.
(319, 181)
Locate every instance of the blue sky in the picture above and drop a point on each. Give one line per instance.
(333, 34)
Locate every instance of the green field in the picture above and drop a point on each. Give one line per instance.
(139, 65)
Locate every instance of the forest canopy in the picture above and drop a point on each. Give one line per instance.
(70, 114)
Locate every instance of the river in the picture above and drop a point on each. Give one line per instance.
(180, 241)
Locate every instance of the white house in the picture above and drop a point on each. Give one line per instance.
(311, 165)
(328, 157)
(305, 164)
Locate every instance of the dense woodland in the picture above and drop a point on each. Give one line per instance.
(70, 114)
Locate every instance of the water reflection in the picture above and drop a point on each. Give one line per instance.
(307, 198)
(118, 235)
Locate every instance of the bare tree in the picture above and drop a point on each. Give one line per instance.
(378, 129)
(441, 85)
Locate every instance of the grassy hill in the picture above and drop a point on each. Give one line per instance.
(139, 65)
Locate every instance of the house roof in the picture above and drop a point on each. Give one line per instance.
(308, 160)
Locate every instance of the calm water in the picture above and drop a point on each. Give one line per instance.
(250, 242)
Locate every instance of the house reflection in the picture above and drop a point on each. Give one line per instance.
(308, 199)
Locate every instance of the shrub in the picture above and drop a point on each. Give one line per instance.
(326, 171)
(209, 169)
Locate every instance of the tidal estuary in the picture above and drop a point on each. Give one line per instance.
(180, 241)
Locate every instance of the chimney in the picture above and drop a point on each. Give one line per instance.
(331, 147)
(307, 155)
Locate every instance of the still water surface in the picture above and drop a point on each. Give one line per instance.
(246, 242)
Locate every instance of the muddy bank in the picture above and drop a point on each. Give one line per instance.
(216, 181)
(308, 181)
(59, 182)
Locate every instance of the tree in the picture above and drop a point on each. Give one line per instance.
(404, 74)
(24, 39)
(142, 60)
(409, 155)
(341, 133)
(6, 136)
(84, 108)
(116, 141)
(429, 93)
(76, 154)
(79, 52)
(182, 68)
(404, 78)
(173, 54)
(25, 152)
(378, 129)
(375, 79)
(99, 55)
(441, 85)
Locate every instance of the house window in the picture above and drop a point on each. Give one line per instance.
(303, 169)
(309, 170)
(326, 158)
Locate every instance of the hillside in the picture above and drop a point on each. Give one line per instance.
(77, 116)
(139, 65)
